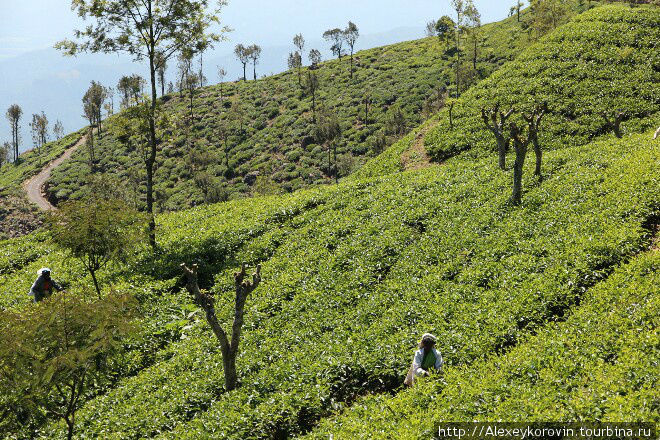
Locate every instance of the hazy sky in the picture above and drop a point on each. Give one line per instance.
(27, 25)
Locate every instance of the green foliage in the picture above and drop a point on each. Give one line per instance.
(97, 231)
(282, 120)
(358, 271)
(52, 353)
(581, 70)
(601, 364)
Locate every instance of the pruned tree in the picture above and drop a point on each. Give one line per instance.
(312, 86)
(450, 104)
(495, 121)
(299, 42)
(58, 130)
(254, 53)
(614, 124)
(243, 54)
(336, 38)
(222, 73)
(351, 34)
(520, 144)
(396, 120)
(14, 114)
(366, 100)
(533, 126)
(144, 29)
(206, 302)
(314, 57)
(53, 355)
(295, 62)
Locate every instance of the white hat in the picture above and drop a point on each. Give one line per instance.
(42, 270)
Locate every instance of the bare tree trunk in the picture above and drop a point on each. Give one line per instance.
(539, 159)
(520, 146)
(244, 71)
(614, 124)
(490, 119)
(207, 302)
(96, 283)
(151, 160)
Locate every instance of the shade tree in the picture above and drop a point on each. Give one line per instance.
(13, 115)
(144, 29)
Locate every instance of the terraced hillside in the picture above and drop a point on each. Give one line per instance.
(271, 130)
(354, 273)
(605, 60)
(17, 216)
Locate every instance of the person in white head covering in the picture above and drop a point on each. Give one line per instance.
(427, 360)
(44, 285)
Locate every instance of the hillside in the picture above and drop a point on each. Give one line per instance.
(275, 138)
(17, 216)
(543, 311)
(604, 60)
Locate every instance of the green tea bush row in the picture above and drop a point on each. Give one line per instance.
(353, 274)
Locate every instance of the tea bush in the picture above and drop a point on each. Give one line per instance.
(600, 364)
(354, 273)
(604, 60)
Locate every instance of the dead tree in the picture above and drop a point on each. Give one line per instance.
(614, 124)
(534, 124)
(520, 144)
(207, 302)
(490, 118)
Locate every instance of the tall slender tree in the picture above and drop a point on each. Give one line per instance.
(299, 42)
(161, 68)
(459, 8)
(473, 25)
(295, 62)
(254, 55)
(314, 57)
(144, 28)
(243, 54)
(58, 130)
(14, 114)
(336, 38)
(351, 34)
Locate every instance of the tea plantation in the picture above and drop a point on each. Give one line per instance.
(544, 311)
(604, 60)
(271, 129)
(17, 216)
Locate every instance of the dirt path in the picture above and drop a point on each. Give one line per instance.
(416, 157)
(34, 187)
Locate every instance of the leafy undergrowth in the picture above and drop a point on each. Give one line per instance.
(277, 139)
(17, 215)
(600, 364)
(354, 273)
